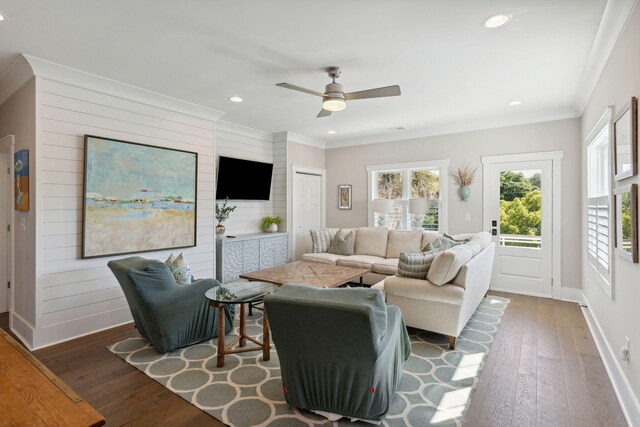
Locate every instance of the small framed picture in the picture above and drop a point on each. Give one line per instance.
(626, 215)
(625, 141)
(344, 196)
(21, 178)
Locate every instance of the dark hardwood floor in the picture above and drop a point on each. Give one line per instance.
(543, 370)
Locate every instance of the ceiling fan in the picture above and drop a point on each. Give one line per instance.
(334, 98)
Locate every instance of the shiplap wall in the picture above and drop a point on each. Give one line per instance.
(279, 195)
(248, 144)
(80, 296)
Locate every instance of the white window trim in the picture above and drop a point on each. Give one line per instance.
(443, 178)
(606, 283)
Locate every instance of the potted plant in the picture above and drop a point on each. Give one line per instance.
(270, 223)
(464, 178)
(222, 214)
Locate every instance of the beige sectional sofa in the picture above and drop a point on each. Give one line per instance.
(378, 249)
(456, 282)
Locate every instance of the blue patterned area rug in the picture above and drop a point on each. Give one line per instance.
(436, 387)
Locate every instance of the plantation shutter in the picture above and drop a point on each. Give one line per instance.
(598, 233)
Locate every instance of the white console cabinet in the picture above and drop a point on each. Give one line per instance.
(249, 252)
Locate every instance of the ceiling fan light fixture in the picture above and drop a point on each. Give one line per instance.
(334, 104)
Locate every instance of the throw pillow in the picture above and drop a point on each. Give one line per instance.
(343, 244)
(170, 260)
(181, 271)
(442, 244)
(415, 265)
(321, 239)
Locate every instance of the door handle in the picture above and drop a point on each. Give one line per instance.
(494, 232)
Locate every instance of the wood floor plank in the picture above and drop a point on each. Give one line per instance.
(496, 413)
(524, 410)
(552, 408)
(547, 337)
(529, 353)
(606, 409)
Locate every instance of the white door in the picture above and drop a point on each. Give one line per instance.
(520, 205)
(307, 210)
(5, 205)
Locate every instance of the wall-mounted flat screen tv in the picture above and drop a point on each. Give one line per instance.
(243, 179)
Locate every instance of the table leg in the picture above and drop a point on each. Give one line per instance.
(266, 349)
(221, 336)
(243, 324)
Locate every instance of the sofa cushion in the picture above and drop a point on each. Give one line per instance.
(324, 258)
(321, 239)
(343, 243)
(359, 261)
(372, 241)
(483, 238)
(447, 264)
(423, 290)
(403, 241)
(415, 265)
(385, 266)
(429, 236)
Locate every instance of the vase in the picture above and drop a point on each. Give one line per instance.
(220, 230)
(464, 193)
(272, 228)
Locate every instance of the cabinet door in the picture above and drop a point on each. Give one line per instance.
(233, 260)
(251, 256)
(267, 253)
(281, 244)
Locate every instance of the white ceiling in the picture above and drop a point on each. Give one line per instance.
(452, 70)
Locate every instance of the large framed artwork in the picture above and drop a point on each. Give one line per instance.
(21, 175)
(625, 141)
(626, 215)
(137, 198)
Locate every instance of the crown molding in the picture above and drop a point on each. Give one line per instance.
(614, 20)
(27, 66)
(461, 127)
(305, 140)
(245, 131)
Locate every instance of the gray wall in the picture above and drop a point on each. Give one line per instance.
(348, 166)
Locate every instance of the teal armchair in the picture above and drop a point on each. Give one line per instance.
(167, 315)
(341, 350)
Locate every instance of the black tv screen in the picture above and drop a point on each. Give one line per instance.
(243, 179)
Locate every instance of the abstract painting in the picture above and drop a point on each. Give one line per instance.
(21, 173)
(137, 198)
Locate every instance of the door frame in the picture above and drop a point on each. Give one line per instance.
(556, 220)
(323, 200)
(7, 145)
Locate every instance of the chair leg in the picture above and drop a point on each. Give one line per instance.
(452, 342)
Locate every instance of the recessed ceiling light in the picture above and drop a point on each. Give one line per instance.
(235, 99)
(496, 21)
(331, 132)
(1, 17)
(514, 103)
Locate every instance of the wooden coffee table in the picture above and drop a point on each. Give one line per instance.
(307, 273)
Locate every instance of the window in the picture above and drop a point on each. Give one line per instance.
(599, 227)
(403, 182)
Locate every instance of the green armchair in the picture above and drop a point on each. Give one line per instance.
(167, 315)
(341, 351)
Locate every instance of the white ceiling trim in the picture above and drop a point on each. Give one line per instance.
(77, 78)
(614, 20)
(469, 126)
(305, 140)
(246, 131)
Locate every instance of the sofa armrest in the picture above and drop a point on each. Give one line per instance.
(477, 270)
(423, 290)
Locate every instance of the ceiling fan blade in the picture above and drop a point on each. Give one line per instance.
(299, 89)
(374, 93)
(323, 113)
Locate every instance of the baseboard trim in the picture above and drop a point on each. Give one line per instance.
(22, 329)
(624, 393)
(514, 291)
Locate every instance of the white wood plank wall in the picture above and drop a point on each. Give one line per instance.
(81, 296)
(249, 144)
(279, 195)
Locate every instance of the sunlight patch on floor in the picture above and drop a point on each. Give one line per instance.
(451, 405)
(468, 367)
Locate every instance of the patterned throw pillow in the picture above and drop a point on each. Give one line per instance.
(442, 244)
(415, 265)
(321, 239)
(180, 270)
(343, 244)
